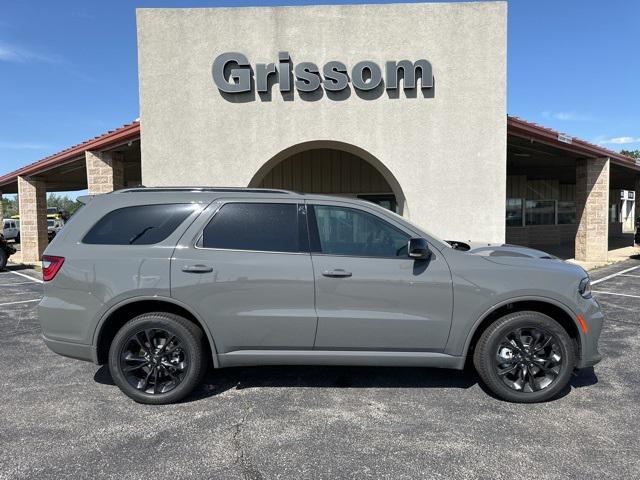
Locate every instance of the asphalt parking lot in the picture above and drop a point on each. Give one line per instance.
(61, 418)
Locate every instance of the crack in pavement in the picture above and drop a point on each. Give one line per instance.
(248, 470)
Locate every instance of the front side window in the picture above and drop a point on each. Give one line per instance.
(266, 227)
(139, 225)
(347, 231)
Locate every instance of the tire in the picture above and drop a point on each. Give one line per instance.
(156, 377)
(3, 258)
(17, 239)
(526, 371)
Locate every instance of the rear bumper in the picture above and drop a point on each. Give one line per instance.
(78, 351)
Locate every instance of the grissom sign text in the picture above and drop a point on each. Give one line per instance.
(232, 73)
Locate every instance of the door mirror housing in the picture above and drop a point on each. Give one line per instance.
(419, 249)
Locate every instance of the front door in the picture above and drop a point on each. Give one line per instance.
(249, 275)
(369, 294)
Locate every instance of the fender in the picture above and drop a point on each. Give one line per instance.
(552, 301)
(122, 303)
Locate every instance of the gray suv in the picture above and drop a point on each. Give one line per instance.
(158, 282)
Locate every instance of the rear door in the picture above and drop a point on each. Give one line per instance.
(247, 271)
(369, 294)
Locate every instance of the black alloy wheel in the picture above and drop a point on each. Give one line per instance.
(528, 359)
(525, 357)
(153, 360)
(158, 358)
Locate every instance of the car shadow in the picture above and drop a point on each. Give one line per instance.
(222, 380)
(238, 378)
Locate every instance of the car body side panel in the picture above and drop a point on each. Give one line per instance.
(93, 278)
(481, 285)
(249, 299)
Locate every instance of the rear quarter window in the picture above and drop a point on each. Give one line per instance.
(138, 225)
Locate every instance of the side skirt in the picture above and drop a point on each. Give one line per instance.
(340, 357)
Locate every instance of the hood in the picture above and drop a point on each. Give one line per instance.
(511, 251)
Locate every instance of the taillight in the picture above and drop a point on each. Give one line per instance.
(50, 266)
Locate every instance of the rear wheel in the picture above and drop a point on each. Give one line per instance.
(158, 358)
(525, 357)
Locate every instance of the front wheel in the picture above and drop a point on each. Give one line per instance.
(157, 358)
(525, 357)
(3, 258)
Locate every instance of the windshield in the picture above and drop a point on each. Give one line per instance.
(50, 223)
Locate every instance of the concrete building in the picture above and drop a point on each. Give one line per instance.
(400, 104)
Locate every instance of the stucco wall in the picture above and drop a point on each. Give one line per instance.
(446, 152)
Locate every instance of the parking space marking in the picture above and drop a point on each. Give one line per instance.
(21, 301)
(36, 280)
(15, 283)
(613, 275)
(627, 275)
(618, 294)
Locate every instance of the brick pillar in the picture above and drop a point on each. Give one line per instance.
(32, 195)
(105, 172)
(592, 205)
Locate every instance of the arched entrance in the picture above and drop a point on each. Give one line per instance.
(332, 168)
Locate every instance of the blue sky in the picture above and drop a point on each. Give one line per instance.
(68, 69)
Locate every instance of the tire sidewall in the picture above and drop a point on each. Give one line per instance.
(189, 342)
(4, 257)
(523, 320)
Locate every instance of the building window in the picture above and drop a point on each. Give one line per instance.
(514, 212)
(614, 213)
(567, 213)
(540, 212)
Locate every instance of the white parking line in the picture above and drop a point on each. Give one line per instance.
(22, 301)
(595, 282)
(618, 294)
(15, 283)
(36, 280)
(627, 275)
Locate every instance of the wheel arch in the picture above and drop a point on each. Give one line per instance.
(547, 306)
(114, 318)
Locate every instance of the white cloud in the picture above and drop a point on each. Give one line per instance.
(24, 146)
(11, 53)
(568, 116)
(620, 140)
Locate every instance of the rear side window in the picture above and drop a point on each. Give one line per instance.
(271, 227)
(139, 225)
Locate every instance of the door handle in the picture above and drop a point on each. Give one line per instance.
(337, 273)
(197, 268)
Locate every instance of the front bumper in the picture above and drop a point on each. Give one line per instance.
(594, 318)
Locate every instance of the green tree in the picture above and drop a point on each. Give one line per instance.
(631, 153)
(9, 207)
(63, 203)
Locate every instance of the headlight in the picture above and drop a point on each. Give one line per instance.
(585, 288)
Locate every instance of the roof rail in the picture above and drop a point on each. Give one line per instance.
(204, 190)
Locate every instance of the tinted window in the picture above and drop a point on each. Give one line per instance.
(140, 225)
(269, 227)
(346, 231)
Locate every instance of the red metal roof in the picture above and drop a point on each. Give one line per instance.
(521, 128)
(515, 126)
(110, 139)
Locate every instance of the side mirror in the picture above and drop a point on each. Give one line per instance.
(419, 249)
